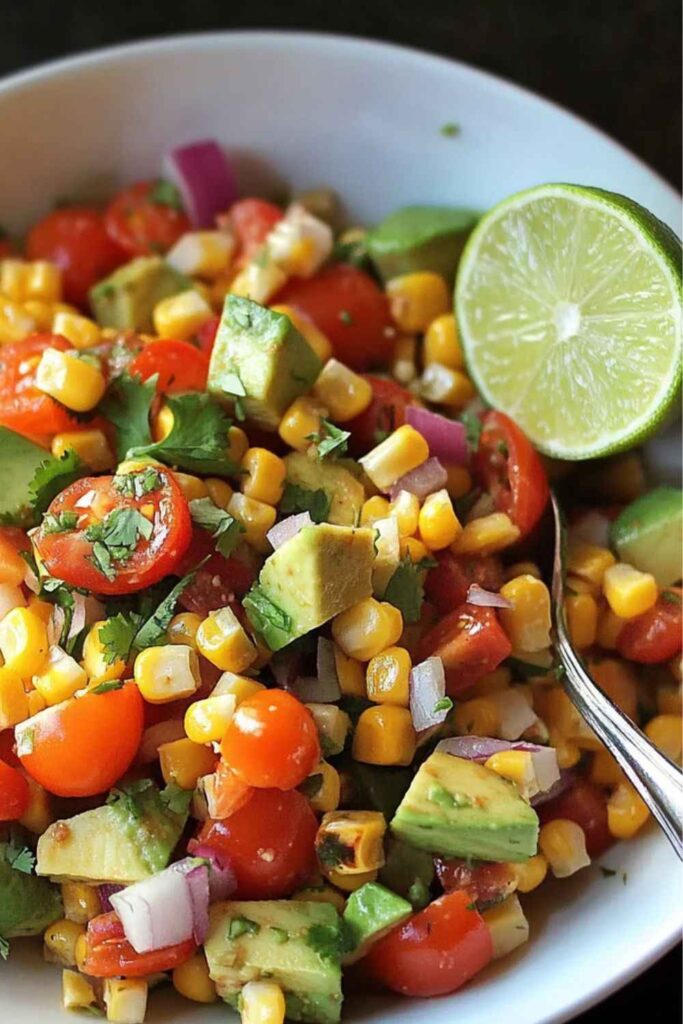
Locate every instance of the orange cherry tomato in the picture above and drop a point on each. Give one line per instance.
(110, 955)
(23, 407)
(14, 793)
(180, 366)
(510, 468)
(142, 221)
(230, 793)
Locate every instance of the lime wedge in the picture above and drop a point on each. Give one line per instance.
(568, 301)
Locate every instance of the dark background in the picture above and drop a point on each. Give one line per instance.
(615, 62)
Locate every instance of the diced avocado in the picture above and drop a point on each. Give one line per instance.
(649, 534)
(19, 459)
(420, 238)
(27, 904)
(344, 492)
(370, 913)
(297, 944)
(462, 809)
(314, 576)
(409, 872)
(126, 299)
(260, 358)
(123, 841)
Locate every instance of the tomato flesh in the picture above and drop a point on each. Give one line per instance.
(656, 635)
(510, 468)
(142, 225)
(179, 365)
(487, 883)
(14, 793)
(471, 643)
(110, 955)
(386, 412)
(23, 407)
(448, 582)
(586, 805)
(252, 220)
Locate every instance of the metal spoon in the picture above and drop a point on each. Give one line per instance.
(657, 779)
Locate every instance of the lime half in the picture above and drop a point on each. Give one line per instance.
(569, 307)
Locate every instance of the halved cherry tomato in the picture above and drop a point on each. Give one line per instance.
(143, 223)
(75, 238)
(218, 581)
(229, 792)
(252, 220)
(471, 643)
(510, 469)
(22, 406)
(268, 843)
(656, 635)
(351, 309)
(206, 335)
(486, 882)
(585, 804)
(272, 741)
(110, 955)
(13, 793)
(71, 556)
(180, 366)
(446, 585)
(7, 753)
(435, 951)
(386, 412)
(84, 745)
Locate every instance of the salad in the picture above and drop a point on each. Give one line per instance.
(279, 705)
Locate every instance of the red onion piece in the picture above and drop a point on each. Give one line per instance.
(288, 528)
(156, 912)
(313, 690)
(486, 598)
(447, 439)
(427, 689)
(566, 781)
(105, 892)
(78, 618)
(428, 477)
(481, 748)
(196, 875)
(222, 881)
(473, 748)
(205, 178)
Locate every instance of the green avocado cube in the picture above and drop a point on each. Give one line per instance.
(126, 299)
(19, 459)
(418, 238)
(27, 904)
(370, 913)
(648, 534)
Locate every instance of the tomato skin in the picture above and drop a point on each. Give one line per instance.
(7, 753)
(180, 366)
(271, 820)
(23, 407)
(206, 335)
(252, 220)
(486, 882)
(76, 240)
(656, 635)
(139, 225)
(84, 745)
(14, 793)
(585, 804)
(471, 643)
(515, 477)
(110, 955)
(446, 585)
(386, 412)
(435, 951)
(272, 741)
(218, 581)
(351, 309)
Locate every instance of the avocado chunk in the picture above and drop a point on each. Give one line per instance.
(27, 904)
(260, 358)
(125, 840)
(370, 913)
(126, 299)
(462, 809)
(344, 492)
(297, 944)
(409, 872)
(314, 576)
(420, 238)
(19, 460)
(648, 534)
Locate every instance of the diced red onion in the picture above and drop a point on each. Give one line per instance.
(196, 874)
(515, 713)
(205, 178)
(222, 881)
(156, 912)
(447, 439)
(481, 748)
(427, 688)
(326, 666)
(565, 782)
(105, 892)
(312, 690)
(426, 478)
(285, 667)
(288, 528)
(486, 598)
(473, 748)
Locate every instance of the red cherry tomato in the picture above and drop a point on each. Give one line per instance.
(110, 955)
(180, 366)
(218, 581)
(206, 335)
(76, 240)
(84, 745)
(269, 843)
(509, 467)
(351, 309)
(252, 220)
(435, 951)
(141, 222)
(585, 804)
(7, 753)
(656, 635)
(471, 643)
(447, 583)
(386, 412)
(14, 793)
(485, 882)
(23, 407)
(71, 556)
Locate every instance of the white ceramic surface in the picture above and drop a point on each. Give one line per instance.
(365, 118)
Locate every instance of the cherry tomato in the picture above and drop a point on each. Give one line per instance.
(447, 583)
(656, 635)
(487, 883)
(272, 741)
(351, 309)
(585, 804)
(6, 247)
(435, 951)
(218, 581)
(269, 843)
(110, 955)
(13, 568)
(252, 220)
(76, 240)
(386, 412)
(509, 467)
(84, 745)
(7, 753)
(206, 335)
(229, 792)
(13, 793)
(180, 366)
(23, 407)
(71, 556)
(471, 643)
(141, 222)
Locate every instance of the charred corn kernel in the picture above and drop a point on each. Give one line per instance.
(39, 812)
(414, 549)
(73, 382)
(444, 386)
(373, 509)
(14, 703)
(81, 902)
(384, 735)
(90, 445)
(333, 726)
(15, 322)
(43, 281)
(59, 677)
(202, 253)
(629, 592)
(318, 341)
(184, 762)
(23, 641)
(364, 629)
(193, 981)
(530, 873)
(417, 299)
(439, 525)
(125, 1000)
(191, 486)
(60, 942)
(528, 622)
(241, 687)
(219, 490)
(666, 732)
(345, 394)
(517, 766)
(588, 561)
(604, 770)
(181, 316)
(563, 844)
(223, 641)
(262, 1002)
(521, 569)
(95, 663)
(206, 720)
(406, 508)
(477, 717)
(238, 442)
(263, 475)
(324, 894)
(492, 682)
(81, 331)
(387, 677)
(257, 518)
(401, 451)
(350, 673)
(326, 788)
(182, 629)
(581, 613)
(458, 482)
(404, 359)
(167, 673)
(77, 992)
(258, 281)
(626, 812)
(302, 419)
(441, 343)
(360, 833)
(609, 628)
(162, 423)
(349, 883)
(486, 535)
(507, 925)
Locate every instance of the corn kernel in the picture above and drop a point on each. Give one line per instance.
(626, 812)
(167, 673)
(77, 992)
(416, 300)
(302, 419)
(13, 279)
(182, 629)
(333, 726)
(42, 312)
(241, 687)
(350, 674)
(609, 628)
(568, 753)
(327, 795)
(628, 591)
(219, 491)
(81, 331)
(23, 641)
(59, 677)
(385, 736)
(180, 316)
(563, 844)
(39, 813)
(318, 341)
(43, 609)
(365, 629)
(14, 705)
(588, 561)
(666, 732)
(477, 717)
(441, 343)
(223, 641)
(256, 517)
(349, 883)
(361, 833)
(95, 662)
(395, 620)
(486, 535)
(458, 481)
(516, 765)
(388, 677)
(91, 446)
(207, 720)
(439, 525)
(373, 509)
(670, 700)
(530, 873)
(414, 549)
(510, 572)
(60, 942)
(238, 442)
(604, 770)
(344, 393)
(15, 321)
(262, 1002)
(581, 613)
(125, 1000)
(263, 476)
(81, 902)
(406, 508)
(73, 382)
(162, 423)
(191, 486)
(528, 622)
(193, 981)
(401, 451)
(444, 386)
(492, 682)
(202, 253)
(404, 359)
(258, 281)
(184, 762)
(43, 281)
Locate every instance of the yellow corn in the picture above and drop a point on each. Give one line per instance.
(604, 769)
(256, 517)
(182, 629)
(388, 677)
(349, 883)
(184, 762)
(507, 925)
(477, 717)
(441, 343)
(530, 873)
(459, 481)
(219, 490)
(206, 720)
(59, 677)
(568, 753)
(223, 641)
(486, 535)
(417, 299)
(404, 359)
(327, 797)
(23, 641)
(36, 702)
(125, 1000)
(258, 281)
(81, 331)
(510, 572)
(666, 732)
(516, 765)
(366, 628)
(438, 523)
(181, 316)
(528, 622)
(301, 420)
(94, 662)
(43, 281)
(628, 591)
(404, 449)
(443, 386)
(581, 613)
(39, 813)
(263, 477)
(384, 735)
(15, 322)
(262, 1002)
(81, 902)
(60, 942)
(406, 508)
(43, 609)
(626, 812)
(238, 442)
(609, 628)
(81, 952)
(77, 992)
(318, 341)
(90, 445)
(413, 549)
(588, 561)
(361, 832)
(350, 673)
(202, 253)
(162, 423)
(373, 509)
(563, 844)
(73, 382)
(345, 394)
(191, 486)
(13, 279)
(240, 687)
(193, 981)
(14, 706)
(167, 673)
(333, 725)
(325, 894)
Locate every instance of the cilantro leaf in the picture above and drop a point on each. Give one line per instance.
(139, 483)
(153, 631)
(300, 499)
(116, 537)
(671, 597)
(450, 129)
(4, 947)
(177, 800)
(62, 522)
(331, 440)
(221, 525)
(198, 439)
(117, 636)
(52, 476)
(472, 425)
(108, 686)
(165, 193)
(20, 858)
(57, 592)
(405, 589)
(445, 704)
(126, 405)
(274, 624)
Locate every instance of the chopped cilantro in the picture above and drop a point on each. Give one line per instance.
(445, 704)
(311, 786)
(332, 852)
(331, 440)
(51, 477)
(300, 499)
(266, 617)
(472, 425)
(164, 193)
(418, 894)
(20, 858)
(405, 589)
(198, 439)
(354, 252)
(175, 799)
(471, 906)
(61, 522)
(671, 597)
(4, 947)
(153, 631)
(116, 537)
(117, 636)
(328, 941)
(242, 926)
(108, 686)
(126, 405)
(226, 530)
(139, 483)
(449, 130)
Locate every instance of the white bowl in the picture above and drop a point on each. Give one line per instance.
(364, 118)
